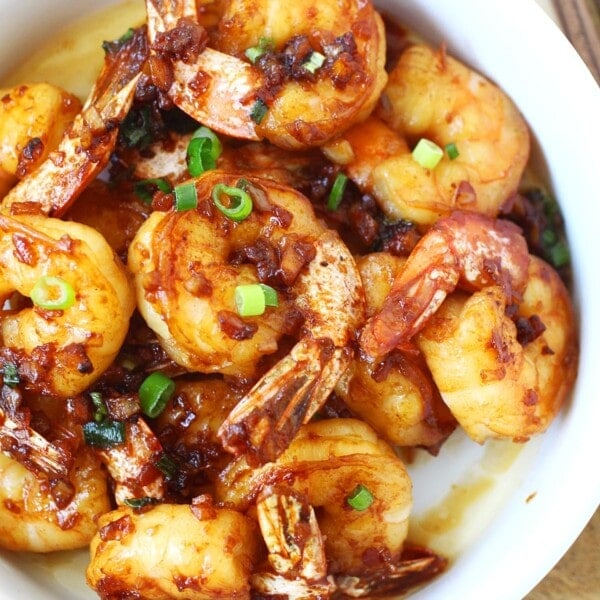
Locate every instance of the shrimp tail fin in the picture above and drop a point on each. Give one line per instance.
(264, 422)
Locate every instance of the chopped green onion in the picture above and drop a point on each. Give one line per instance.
(337, 191)
(145, 188)
(155, 392)
(271, 298)
(427, 153)
(259, 110)
(101, 411)
(452, 151)
(10, 375)
(115, 45)
(186, 197)
(137, 129)
(549, 237)
(52, 293)
(140, 502)
(255, 52)
(166, 465)
(559, 255)
(105, 434)
(202, 151)
(241, 203)
(315, 61)
(360, 498)
(249, 300)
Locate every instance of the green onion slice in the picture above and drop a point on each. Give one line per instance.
(249, 300)
(360, 498)
(140, 502)
(315, 61)
(101, 411)
(271, 298)
(559, 255)
(10, 375)
(155, 391)
(145, 188)
(167, 466)
(186, 197)
(52, 293)
(452, 151)
(337, 191)
(105, 434)
(240, 205)
(258, 112)
(203, 150)
(255, 52)
(427, 153)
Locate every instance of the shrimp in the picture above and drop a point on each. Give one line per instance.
(300, 106)
(504, 377)
(191, 552)
(325, 462)
(85, 147)
(396, 396)
(465, 248)
(61, 351)
(33, 119)
(431, 95)
(40, 515)
(282, 244)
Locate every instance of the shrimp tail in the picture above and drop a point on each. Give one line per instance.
(264, 422)
(86, 146)
(32, 450)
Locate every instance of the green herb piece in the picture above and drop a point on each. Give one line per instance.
(337, 191)
(10, 375)
(240, 202)
(52, 293)
(105, 434)
(259, 111)
(145, 188)
(155, 391)
(360, 498)
(427, 153)
(186, 196)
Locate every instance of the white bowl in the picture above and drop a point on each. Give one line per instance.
(514, 510)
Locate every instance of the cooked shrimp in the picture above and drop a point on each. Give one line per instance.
(301, 106)
(61, 351)
(33, 119)
(40, 515)
(325, 462)
(504, 377)
(191, 552)
(465, 248)
(86, 145)
(431, 95)
(396, 396)
(281, 243)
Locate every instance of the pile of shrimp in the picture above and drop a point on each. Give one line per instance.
(401, 300)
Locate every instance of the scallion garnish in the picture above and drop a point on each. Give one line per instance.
(259, 110)
(186, 197)
(52, 293)
(337, 191)
(315, 61)
(105, 434)
(145, 188)
(10, 375)
(140, 502)
(252, 298)
(255, 52)
(559, 254)
(360, 498)
(240, 203)
(427, 153)
(202, 152)
(167, 466)
(155, 391)
(101, 411)
(452, 151)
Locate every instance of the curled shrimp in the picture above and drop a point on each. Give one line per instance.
(514, 373)
(301, 106)
(33, 119)
(465, 248)
(178, 551)
(431, 95)
(397, 395)
(282, 244)
(61, 351)
(41, 515)
(325, 463)
(85, 147)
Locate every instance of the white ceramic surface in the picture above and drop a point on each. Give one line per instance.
(525, 505)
